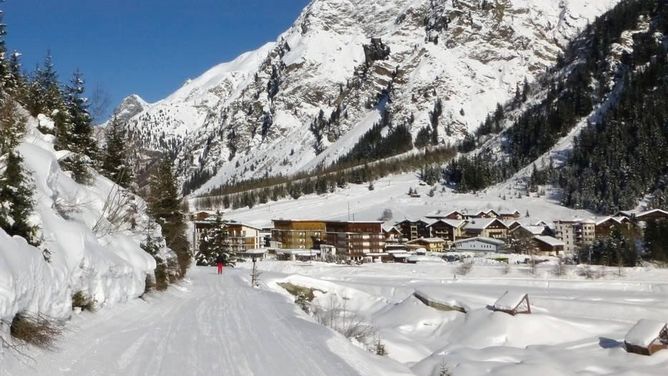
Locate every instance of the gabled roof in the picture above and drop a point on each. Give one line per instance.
(653, 211)
(549, 240)
(645, 332)
(510, 300)
(617, 220)
(388, 227)
(481, 239)
(482, 223)
(454, 223)
(533, 230)
(427, 240)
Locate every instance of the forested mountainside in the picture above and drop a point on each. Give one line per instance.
(432, 70)
(599, 127)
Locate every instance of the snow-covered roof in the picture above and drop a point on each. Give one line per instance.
(619, 220)
(482, 239)
(427, 240)
(509, 300)
(456, 223)
(549, 240)
(653, 211)
(481, 223)
(644, 332)
(534, 230)
(389, 227)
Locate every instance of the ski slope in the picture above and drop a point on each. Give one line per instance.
(213, 325)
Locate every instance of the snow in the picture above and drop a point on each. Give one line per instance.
(509, 300)
(86, 252)
(644, 332)
(549, 240)
(212, 325)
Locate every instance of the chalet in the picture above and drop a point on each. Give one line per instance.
(391, 233)
(509, 216)
(605, 226)
(527, 232)
(647, 337)
(512, 225)
(485, 227)
(447, 229)
(455, 214)
(547, 245)
(430, 244)
(652, 215)
(485, 214)
(513, 303)
(414, 228)
(480, 244)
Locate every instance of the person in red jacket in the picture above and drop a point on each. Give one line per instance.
(220, 260)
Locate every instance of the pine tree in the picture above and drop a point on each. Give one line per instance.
(115, 163)
(74, 131)
(164, 206)
(12, 126)
(16, 82)
(43, 93)
(4, 66)
(214, 243)
(16, 203)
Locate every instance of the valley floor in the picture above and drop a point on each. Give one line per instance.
(219, 325)
(215, 325)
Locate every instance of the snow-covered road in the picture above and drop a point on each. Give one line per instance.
(216, 325)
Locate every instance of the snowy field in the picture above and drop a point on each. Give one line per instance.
(577, 326)
(219, 325)
(357, 202)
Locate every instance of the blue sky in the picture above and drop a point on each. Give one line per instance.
(148, 47)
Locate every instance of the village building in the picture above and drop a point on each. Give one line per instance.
(605, 226)
(414, 228)
(575, 233)
(455, 215)
(357, 239)
(242, 237)
(509, 215)
(430, 244)
(448, 230)
(548, 245)
(524, 232)
(391, 233)
(486, 228)
(298, 234)
(480, 244)
(652, 215)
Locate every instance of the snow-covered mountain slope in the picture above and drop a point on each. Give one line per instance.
(265, 118)
(90, 246)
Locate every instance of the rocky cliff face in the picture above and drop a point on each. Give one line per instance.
(305, 100)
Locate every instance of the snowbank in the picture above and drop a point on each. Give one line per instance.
(85, 249)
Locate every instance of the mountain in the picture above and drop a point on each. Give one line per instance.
(305, 101)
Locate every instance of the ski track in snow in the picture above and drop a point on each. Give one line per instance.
(215, 326)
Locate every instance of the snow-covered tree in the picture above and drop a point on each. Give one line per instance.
(165, 207)
(214, 243)
(115, 162)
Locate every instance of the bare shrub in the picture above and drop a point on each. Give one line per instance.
(465, 268)
(117, 213)
(337, 316)
(559, 269)
(444, 370)
(83, 301)
(36, 330)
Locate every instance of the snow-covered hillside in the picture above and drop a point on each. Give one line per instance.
(260, 113)
(90, 240)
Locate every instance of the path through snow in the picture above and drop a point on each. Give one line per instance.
(217, 325)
